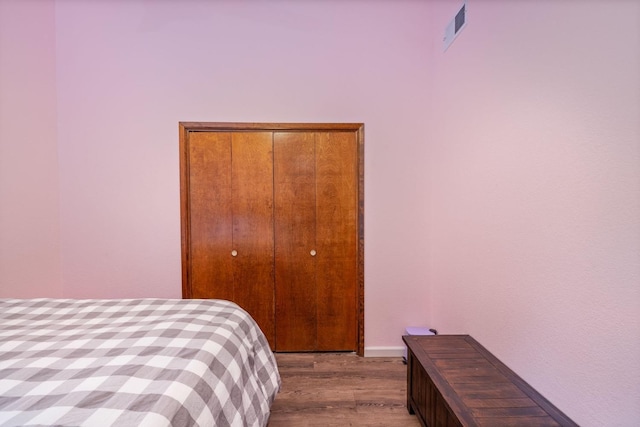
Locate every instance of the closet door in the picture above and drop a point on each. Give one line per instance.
(315, 184)
(272, 219)
(210, 218)
(295, 245)
(252, 234)
(231, 221)
(336, 240)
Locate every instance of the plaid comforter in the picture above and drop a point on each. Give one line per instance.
(142, 362)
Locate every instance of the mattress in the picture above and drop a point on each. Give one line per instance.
(135, 362)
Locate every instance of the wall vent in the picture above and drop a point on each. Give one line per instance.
(455, 26)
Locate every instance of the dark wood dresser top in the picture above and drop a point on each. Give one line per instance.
(475, 386)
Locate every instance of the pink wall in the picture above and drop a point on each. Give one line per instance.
(29, 210)
(128, 72)
(534, 148)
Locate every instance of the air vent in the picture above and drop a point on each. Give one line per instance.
(455, 26)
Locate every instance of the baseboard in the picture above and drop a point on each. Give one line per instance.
(384, 351)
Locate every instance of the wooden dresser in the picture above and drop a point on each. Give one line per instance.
(452, 380)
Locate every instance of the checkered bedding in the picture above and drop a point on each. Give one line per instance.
(138, 362)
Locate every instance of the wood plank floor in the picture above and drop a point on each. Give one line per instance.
(341, 389)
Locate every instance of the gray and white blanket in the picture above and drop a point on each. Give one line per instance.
(137, 362)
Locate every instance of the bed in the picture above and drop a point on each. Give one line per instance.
(135, 362)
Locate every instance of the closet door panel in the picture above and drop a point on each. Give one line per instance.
(209, 159)
(252, 208)
(294, 196)
(336, 237)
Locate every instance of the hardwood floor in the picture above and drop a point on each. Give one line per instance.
(341, 389)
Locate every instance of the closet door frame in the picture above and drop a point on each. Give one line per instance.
(185, 128)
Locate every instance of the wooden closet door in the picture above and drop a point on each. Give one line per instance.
(336, 240)
(210, 217)
(316, 241)
(272, 219)
(231, 221)
(252, 212)
(295, 217)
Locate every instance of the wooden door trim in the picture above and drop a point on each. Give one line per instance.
(186, 127)
(253, 127)
(184, 209)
